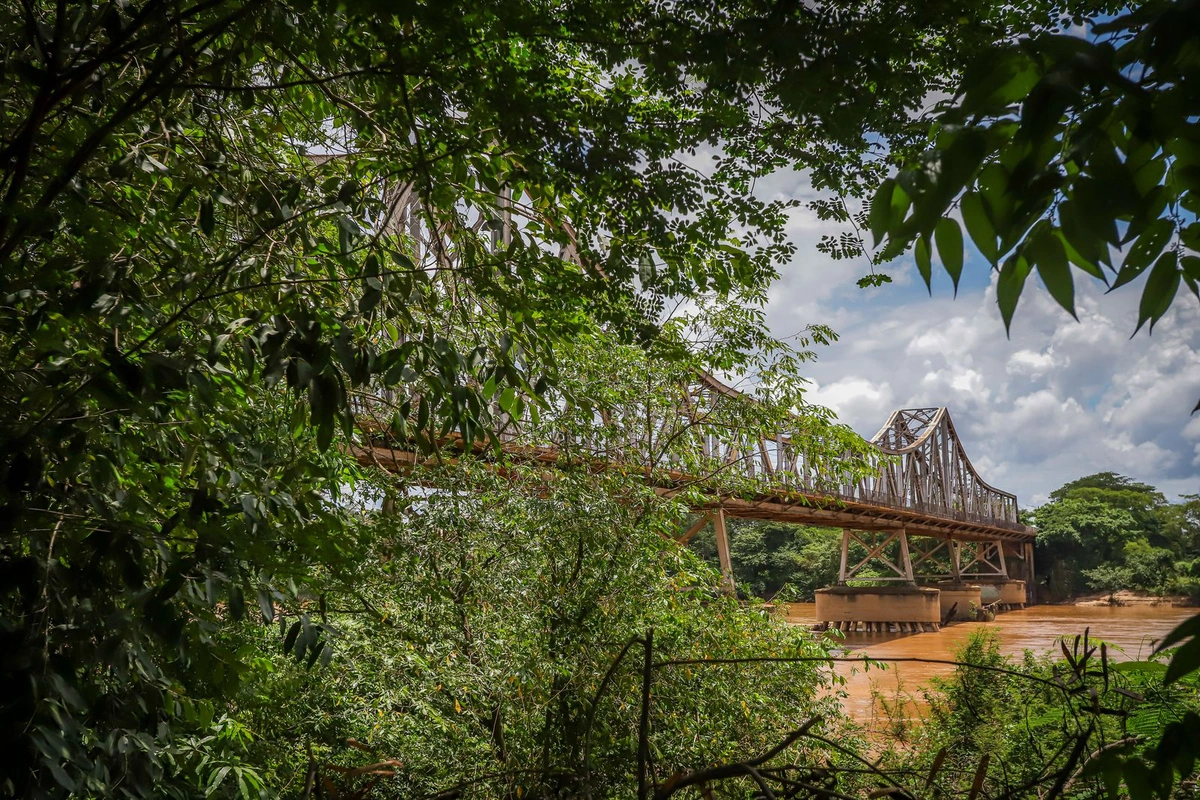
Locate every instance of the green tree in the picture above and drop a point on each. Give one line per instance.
(1139, 496)
(1077, 535)
(1149, 567)
(1109, 522)
(1109, 578)
(1181, 524)
(1143, 502)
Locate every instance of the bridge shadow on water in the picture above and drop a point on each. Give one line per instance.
(859, 640)
(804, 615)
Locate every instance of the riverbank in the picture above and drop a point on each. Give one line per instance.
(1128, 597)
(1131, 632)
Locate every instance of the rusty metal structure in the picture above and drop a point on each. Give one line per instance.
(922, 514)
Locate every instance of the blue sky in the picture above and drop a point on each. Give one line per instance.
(1058, 400)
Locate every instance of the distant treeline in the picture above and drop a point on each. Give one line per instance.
(1100, 533)
(1106, 532)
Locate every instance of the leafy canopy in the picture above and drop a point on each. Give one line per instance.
(222, 222)
(1059, 152)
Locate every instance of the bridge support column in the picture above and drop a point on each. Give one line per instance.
(959, 601)
(845, 556)
(728, 585)
(1030, 575)
(880, 609)
(988, 567)
(906, 559)
(905, 608)
(1020, 567)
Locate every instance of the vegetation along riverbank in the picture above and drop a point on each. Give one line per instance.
(362, 363)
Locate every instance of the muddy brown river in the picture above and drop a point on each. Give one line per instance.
(1133, 629)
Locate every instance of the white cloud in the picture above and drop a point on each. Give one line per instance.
(1030, 363)
(1059, 399)
(856, 398)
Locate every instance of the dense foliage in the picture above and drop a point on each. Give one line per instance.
(1059, 149)
(1077, 723)
(1106, 532)
(475, 640)
(776, 561)
(227, 226)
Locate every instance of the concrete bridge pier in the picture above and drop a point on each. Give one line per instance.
(988, 567)
(904, 607)
(958, 601)
(960, 578)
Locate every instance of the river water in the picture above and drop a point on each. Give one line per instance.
(1133, 629)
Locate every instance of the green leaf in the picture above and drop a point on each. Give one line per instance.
(307, 636)
(1144, 250)
(266, 605)
(921, 254)
(314, 651)
(1009, 286)
(237, 603)
(962, 154)
(1190, 267)
(61, 776)
(1047, 252)
(1109, 766)
(881, 209)
(949, 240)
(999, 79)
(1086, 238)
(217, 778)
(1076, 258)
(1160, 290)
(508, 399)
(325, 431)
(289, 641)
(1188, 629)
(207, 218)
(979, 225)
(873, 279)
(423, 413)
(1138, 780)
(1134, 667)
(1044, 106)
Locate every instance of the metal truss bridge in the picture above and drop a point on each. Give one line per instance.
(922, 484)
(919, 483)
